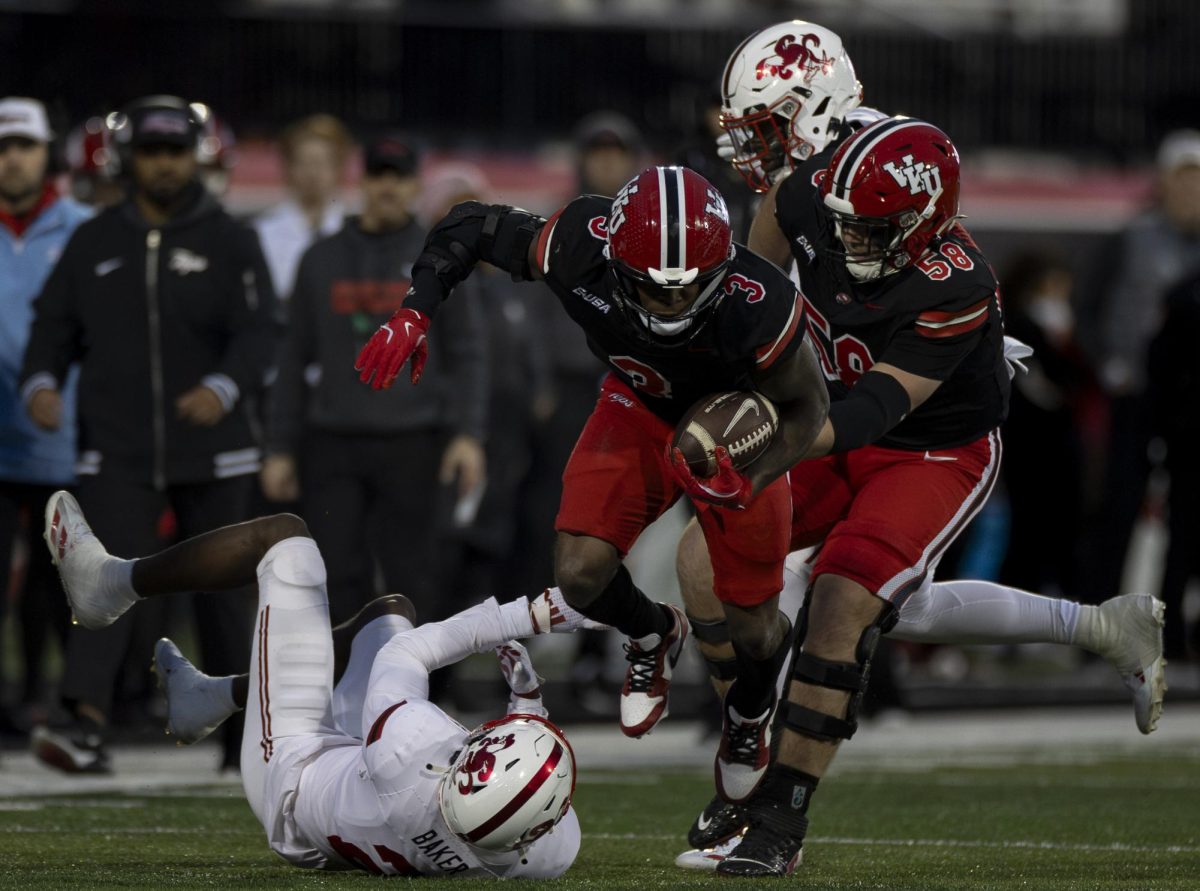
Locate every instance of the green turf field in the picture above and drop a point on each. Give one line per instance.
(1125, 824)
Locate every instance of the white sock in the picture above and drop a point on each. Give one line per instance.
(973, 612)
(116, 579)
(221, 690)
(1087, 632)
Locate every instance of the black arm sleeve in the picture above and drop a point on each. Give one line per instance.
(876, 404)
(471, 232)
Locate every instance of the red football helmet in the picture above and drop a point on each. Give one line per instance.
(889, 190)
(668, 230)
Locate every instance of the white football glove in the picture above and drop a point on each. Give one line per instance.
(550, 612)
(725, 150)
(523, 680)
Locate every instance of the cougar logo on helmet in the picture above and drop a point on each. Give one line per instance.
(918, 177)
(794, 56)
(478, 768)
(510, 784)
(785, 94)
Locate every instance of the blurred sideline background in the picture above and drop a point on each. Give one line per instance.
(1057, 106)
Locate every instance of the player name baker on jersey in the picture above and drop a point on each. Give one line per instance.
(439, 851)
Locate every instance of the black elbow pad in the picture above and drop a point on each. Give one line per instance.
(505, 238)
(472, 231)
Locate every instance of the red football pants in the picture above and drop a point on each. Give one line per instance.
(618, 481)
(886, 516)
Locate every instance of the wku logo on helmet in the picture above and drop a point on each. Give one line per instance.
(617, 218)
(918, 177)
(715, 205)
(792, 57)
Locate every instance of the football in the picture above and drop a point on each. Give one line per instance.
(741, 421)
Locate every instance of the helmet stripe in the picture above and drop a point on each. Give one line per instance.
(681, 222)
(536, 782)
(668, 230)
(868, 137)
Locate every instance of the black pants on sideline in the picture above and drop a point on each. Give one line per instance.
(41, 607)
(1182, 562)
(125, 516)
(371, 499)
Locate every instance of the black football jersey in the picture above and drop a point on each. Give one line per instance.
(939, 319)
(758, 321)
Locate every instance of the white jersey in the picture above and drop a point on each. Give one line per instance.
(362, 793)
(381, 798)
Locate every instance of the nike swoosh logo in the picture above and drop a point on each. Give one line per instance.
(390, 332)
(105, 267)
(702, 823)
(746, 405)
(929, 457)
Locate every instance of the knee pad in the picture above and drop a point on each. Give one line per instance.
(851, 677)
(714, 633)
(296, 561)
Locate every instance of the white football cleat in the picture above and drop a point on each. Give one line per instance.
(1128, 633)
(744, 754)
(706, 859)
(196, 706)
(80, 559)
(644, 698)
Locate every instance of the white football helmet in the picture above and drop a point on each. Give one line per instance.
(510, 785)
(784, 94)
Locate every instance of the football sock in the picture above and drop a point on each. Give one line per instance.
(967, 611)
(623, 606)
(783, 798)
(754, 688)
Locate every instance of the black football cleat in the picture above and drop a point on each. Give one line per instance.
(718, 822)
(764, 852)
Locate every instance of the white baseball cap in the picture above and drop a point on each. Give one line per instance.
(1179, 149)
(24, 117)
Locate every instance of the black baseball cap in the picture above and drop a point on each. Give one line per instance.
(391, 153)
(157, 120)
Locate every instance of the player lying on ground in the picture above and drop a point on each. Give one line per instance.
(366, 774)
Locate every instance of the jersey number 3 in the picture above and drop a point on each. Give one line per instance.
(642, 376)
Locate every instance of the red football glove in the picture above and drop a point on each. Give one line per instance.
(402, 338)
(726, 488)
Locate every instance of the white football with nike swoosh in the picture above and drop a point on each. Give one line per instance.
(742, 421)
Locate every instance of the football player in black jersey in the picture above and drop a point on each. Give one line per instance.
(678, 312)
(903, 311)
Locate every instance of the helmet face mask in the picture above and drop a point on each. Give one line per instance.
(511, 783)
(785, 93)
(668, 241)
(889, 190)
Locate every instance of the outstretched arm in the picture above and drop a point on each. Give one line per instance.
(471, 232)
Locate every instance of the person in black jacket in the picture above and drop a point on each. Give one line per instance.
(1174, 393)
(166, 304)
(377, 475)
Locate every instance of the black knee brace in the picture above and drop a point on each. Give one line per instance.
(714, 633)
(852, 677)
